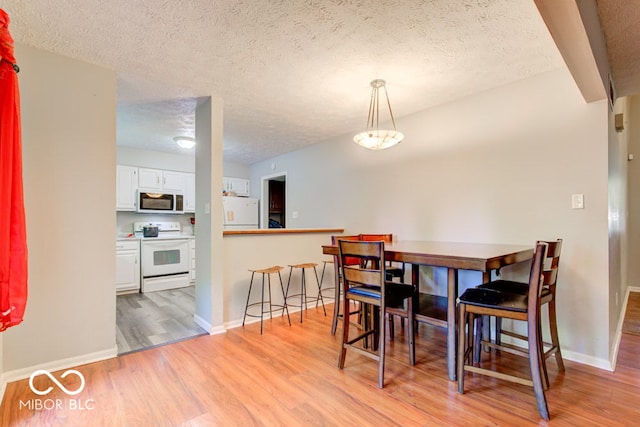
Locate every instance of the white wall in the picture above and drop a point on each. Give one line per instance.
(68, 122)
(499, 166)
(155, 159)
(236, 170)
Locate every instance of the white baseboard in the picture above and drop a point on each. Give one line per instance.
(212, 330)
(202, 323)
(237, 323)
(585, 359)
(56, 365)
(218, 330)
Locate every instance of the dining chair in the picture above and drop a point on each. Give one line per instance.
(338, 274)
(366, 283)
(548, 296)
(477, 301)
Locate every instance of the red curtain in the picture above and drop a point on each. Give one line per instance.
(13, 239)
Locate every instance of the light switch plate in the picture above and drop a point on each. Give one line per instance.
(577, 201)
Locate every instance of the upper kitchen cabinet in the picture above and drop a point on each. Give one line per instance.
(174, 181)
(126, 186)
(238, 186)
(190, 192)
(156, 179)
(150, 179)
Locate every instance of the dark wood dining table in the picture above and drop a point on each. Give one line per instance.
(454, 257)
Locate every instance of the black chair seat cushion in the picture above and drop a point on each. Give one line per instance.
(511, 287)
(396, 292)
(490, 298)
(393, 272)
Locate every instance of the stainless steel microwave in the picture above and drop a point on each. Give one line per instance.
(168, 203)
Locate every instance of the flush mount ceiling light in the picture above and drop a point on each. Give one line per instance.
(185, 141)
(374, 138)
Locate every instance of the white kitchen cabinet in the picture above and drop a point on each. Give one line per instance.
(239, 186)
(173, 181)
(150, 179)
(189, 192)
(126, 187)
(127, 266)
(192, 271)
(161, 180)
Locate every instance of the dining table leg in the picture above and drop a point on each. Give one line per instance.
(452, 295)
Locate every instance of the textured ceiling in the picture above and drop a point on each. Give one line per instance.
(621, 26)
(291, 73)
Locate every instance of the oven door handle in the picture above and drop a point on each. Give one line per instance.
(165, 243)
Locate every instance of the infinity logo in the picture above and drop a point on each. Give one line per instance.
(63, 388)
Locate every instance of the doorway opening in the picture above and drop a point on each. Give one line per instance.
(145, 319)
(274, 196)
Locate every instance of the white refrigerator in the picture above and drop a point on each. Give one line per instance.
(240, 213)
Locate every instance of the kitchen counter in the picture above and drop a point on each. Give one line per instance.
(272, 231)
(137, 237)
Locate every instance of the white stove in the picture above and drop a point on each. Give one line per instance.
(166, 259)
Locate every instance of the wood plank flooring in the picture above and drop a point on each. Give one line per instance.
(155, 318)
(289, 376)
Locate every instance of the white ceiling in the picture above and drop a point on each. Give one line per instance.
(291, 73)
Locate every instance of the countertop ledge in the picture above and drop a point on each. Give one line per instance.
(282, 231)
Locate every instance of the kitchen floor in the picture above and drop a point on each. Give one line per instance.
(155, 318)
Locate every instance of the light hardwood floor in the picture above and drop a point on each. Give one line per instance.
(155, 318)
(289, 376)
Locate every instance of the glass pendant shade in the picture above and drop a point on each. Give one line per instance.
(378, 139)
(375, 138)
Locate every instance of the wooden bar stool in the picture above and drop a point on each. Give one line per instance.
(272, 307)
(304, 298)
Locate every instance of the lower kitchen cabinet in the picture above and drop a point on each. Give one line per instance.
(127, 266)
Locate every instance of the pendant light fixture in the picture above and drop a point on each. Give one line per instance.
(374, 138)
(185, 142)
